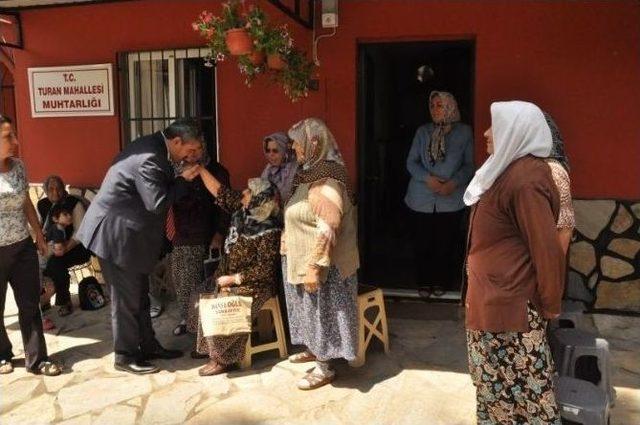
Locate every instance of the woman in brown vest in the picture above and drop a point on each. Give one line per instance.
(320, 255)
(515, 269)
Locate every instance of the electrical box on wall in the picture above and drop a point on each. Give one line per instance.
(329, 13)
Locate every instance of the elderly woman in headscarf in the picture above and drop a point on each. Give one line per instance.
(515, 270)
(559, 164)
(250, 262)
(282, 164)
(320, 254)
(441, 164)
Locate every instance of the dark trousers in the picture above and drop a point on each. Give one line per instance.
(133, 333)
(438, 247)
(58, 270)
(19, 268)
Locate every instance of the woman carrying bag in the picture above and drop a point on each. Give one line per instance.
(249, 266)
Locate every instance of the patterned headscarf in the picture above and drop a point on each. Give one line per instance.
(322, 158)
(442, 126)
(557, 149)
(260, 217)
(282, 175)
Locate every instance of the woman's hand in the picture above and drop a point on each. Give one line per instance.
(226, 281)
(434, 184)
(191, 172)
(447, 188)
(216, 242)
(41, 244)
(312, 279)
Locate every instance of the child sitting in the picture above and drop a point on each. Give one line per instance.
(65, 252)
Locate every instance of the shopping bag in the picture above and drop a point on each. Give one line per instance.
(224, 315)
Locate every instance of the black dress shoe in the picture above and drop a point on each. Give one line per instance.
(139, 367)
(162, 353)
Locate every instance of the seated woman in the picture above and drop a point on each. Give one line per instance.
(73, 253)
(282, 164)
(250, 261)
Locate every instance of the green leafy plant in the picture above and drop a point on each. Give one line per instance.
(296, 76)
(213, 28)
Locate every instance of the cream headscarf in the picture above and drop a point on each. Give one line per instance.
(519, 129)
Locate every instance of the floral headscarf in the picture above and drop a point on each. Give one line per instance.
(437, 148)
(557, 149)
(260, 217)
(282, 175)
(322, 156)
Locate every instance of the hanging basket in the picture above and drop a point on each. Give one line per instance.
(238, 42)
(257, 57)
(275, 62)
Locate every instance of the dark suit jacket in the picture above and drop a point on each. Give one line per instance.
(125, 223)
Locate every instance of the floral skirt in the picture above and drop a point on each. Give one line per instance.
(513, 375)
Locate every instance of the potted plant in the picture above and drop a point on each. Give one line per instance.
(237, 38)
(296, 76)
(257, 28)
(225, 34)
(277, 44)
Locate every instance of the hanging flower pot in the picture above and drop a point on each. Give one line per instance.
(238, 42)
(256, 57)
(276, 62)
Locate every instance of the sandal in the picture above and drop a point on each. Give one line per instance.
(65, 310)
(212, 368)
(47, 368)
(6, 367)
(155, 311)
(181, 329)
(303, 357)
(47, 324)
(313, 380)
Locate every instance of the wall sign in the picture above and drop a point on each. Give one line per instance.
(67, 91)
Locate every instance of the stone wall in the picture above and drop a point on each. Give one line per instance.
(604, 257)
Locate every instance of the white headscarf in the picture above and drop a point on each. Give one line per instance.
(519, 129)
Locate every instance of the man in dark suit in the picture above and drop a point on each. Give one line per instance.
(125, 228)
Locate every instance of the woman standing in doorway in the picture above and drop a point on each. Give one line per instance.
(320, 254)
(441, 164)
(19, 260)
(515, 267)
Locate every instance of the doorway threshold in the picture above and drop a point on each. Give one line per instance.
(450, 296)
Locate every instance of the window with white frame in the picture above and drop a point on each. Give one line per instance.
(157, 87)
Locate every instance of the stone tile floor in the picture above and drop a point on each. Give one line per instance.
(422, 381)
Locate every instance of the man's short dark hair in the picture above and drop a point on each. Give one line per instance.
(58, 209)
(185, 128)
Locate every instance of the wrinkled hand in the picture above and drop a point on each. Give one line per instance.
(447, 188)
(226, 281)
(312, 279)
(58, 249)
(191, 172)
(41, 244)
(216, 241)
(434, 184)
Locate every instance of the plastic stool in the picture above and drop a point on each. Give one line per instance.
(369, 296)
(572, 316)
(280, 344)
(581, 402)
(82, 270)
(585, 356)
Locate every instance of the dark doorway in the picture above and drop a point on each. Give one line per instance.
(394, 82)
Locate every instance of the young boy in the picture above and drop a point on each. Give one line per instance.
(66, 252)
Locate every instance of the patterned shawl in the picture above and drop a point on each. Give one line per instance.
(322, 158)
(557, 149)
(442, 126)
(260, 217)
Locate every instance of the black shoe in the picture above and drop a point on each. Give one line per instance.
(139, 367)
(162, 353)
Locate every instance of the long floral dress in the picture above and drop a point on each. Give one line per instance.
(257, 259)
